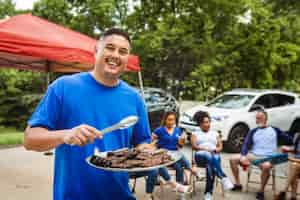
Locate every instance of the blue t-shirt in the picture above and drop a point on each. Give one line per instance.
(80, 99)
(166, 140)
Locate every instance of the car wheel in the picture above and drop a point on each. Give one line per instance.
(236, 138)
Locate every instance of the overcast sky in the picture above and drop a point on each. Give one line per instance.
(24, 4)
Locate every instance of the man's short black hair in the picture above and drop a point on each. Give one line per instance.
(116, 31)
(199, 117)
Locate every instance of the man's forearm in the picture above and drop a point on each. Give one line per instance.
(41, 139)
(246, 143)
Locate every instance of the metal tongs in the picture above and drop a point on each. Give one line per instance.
(123, 124)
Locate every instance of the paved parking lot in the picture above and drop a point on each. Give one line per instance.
(28, 175)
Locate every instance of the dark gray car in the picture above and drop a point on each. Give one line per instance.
(158, 102)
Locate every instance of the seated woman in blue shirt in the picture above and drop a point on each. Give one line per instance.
(170, 137)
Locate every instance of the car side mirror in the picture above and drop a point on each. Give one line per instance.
(256, 107)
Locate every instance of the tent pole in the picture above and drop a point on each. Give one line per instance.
(48, 74)
(48, 79)
(49, 152)
(141, 84)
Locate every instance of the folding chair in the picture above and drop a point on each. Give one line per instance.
(134, 176)
(193, 178)
(255, 168)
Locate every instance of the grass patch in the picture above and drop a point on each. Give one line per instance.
(10, 136)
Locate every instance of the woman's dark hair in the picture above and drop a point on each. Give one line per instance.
(166, 115)
(199, 117)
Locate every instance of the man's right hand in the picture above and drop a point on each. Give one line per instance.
(286, 149)
(81, 135)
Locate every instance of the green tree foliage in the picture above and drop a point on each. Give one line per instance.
(261, 54)
(201, 44)
(7, 8)
(208, 46)
(20, 92)
(83, 16)
(178, 37)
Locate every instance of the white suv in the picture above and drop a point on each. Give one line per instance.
(232, 113)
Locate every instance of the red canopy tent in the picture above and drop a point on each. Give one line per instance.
(29, 42)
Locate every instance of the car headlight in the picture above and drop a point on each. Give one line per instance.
(219, 118)
(186, 117)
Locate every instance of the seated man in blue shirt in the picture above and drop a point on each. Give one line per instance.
(261, 142)
(72, 111)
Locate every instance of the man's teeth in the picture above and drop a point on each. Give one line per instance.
(112, 63)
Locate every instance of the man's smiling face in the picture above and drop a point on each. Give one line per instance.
(112, 56)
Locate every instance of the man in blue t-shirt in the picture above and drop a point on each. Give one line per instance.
(72, 111)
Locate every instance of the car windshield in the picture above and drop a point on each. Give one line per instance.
(148, 98)
(231, 101)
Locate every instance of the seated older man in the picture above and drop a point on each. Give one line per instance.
(260, 142)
